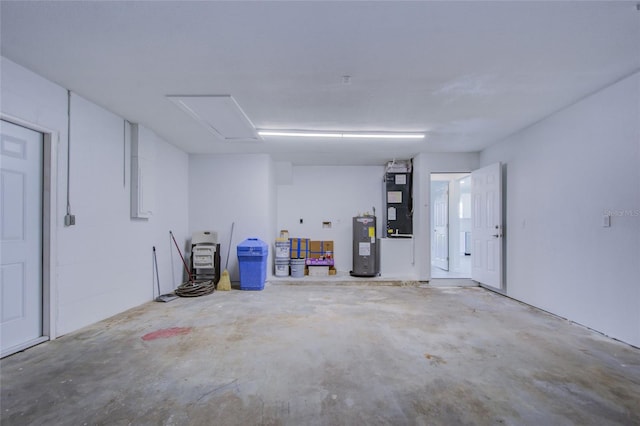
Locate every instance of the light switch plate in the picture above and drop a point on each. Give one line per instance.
(606, 221)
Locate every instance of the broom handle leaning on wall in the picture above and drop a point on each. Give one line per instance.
(226, 265)
(186, 268)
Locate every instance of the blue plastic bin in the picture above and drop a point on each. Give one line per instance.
(252, 258)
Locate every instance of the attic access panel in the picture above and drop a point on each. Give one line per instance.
(220, 114)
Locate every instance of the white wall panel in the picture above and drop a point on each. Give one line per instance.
(333, 194)
(562, 175)
(104, 262)
(224, 189)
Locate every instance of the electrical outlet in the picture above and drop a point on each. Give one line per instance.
(69, 220)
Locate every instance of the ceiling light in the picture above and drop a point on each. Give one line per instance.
(301, 134)
(384, 135)
(340, 135)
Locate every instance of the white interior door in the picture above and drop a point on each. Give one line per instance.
(440, 257)
(21, 152)
(486, 230)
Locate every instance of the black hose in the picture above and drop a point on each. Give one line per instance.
(192, 288)
(195, 289)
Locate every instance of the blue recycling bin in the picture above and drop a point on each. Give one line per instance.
(252, 259)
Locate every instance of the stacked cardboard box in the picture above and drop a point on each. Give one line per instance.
(299, 248)
(320, 261)
(320, 253)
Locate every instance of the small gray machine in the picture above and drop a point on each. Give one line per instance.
(366, 247)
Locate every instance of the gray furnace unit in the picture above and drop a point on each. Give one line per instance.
(366, 247)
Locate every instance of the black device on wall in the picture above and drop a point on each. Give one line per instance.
(398, 212)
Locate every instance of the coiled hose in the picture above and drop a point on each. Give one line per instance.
(195, 288)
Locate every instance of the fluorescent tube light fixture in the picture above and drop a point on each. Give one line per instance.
(384, 136)
(301, 134)
(341, 135)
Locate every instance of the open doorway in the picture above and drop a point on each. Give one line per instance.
(451, 225)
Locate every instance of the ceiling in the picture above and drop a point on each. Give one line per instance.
(467, 73)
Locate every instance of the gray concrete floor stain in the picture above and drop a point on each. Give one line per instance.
(327, 355)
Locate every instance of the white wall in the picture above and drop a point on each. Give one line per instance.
(562, 175)
(337, 193)
(329, 193)
(104, 263)
(170, 203)
(423, 165)
(224, 189)
(273, 208)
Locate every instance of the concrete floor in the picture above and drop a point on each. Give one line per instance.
(327, 355)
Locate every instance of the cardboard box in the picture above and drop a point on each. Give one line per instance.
(332, 270)
(298, 248)
(321, 250)
(318, 271)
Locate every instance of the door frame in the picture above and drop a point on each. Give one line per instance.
(51, 141)
(430, 234)
(434, 240)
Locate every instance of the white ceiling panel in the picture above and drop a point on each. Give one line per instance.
(468, 73)
(220, 114)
